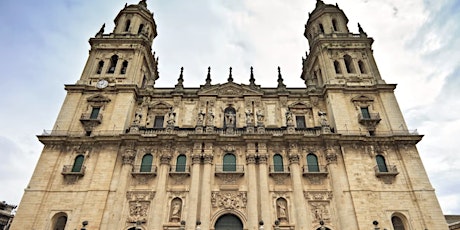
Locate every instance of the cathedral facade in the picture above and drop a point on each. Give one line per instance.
(335, 154)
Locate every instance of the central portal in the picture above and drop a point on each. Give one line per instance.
(228, 222)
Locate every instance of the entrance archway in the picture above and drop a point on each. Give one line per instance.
(228, 222)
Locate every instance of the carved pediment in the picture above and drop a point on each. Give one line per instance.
(160, 105)
(98, 99)
(300, 106)
(230, 89)
(362, 99)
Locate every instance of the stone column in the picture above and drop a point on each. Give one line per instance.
(253, 217)
(205, 215)
(266, 204)
(302, 219)
(346, 214)
(118, 198)
(158, 208)
(194, 188)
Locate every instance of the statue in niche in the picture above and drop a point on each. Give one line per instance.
(260, 116)
(138, 116)
(282, 212)
(289, 118)
(323, 118)
(171, 117)
(200, 117)
(230, 119)
(210, 121)
(176, 210)
(249, 117)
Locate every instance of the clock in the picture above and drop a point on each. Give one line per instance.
(102, 84)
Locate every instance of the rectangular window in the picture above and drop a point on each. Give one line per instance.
(159, 120)
(300, 121)
(365, 113)
(94, 113)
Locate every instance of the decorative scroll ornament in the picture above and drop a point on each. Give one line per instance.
(139, 202)
(229, 200)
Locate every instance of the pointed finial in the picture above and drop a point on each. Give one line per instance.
(230, 78)
(180, 81)
(126, 5)
(252, 79)
(101, 31)
(281, 85)
(143, 3)
(319, 3)
(208, 78)
(361, 31)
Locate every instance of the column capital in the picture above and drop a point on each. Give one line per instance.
(128, 156)
(250, 159)
(208, 158)
(196, 158)
(294, 158)
(263, 158)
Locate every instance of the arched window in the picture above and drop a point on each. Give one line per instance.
(349, 63)
(146, 164)
(113, 64)
(381, 163)
(99, 67)
(229, 163)
(337, 67)
(181, 163)
(78, 163)
(124, 67)
(362, 68)
(128, 23)
(398, 224)
(278, 163)
(59, 221)
(334, 25)
(321, 28)
(312, 163)
(141, 27)
(229, 117)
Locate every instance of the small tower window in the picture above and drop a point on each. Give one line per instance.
(362, 68)
(60, 221)
(349, 63)
(300, 122)
(94, 113)
(124, 67)
(99, 67)
(321, 28)
(229, 163)
(278, 163)
(337, 67)
(397, 223)
(159, 121)
(113, 64)
(181, 163)
(312, 163)
(334, 25)
(382, 166)
(128, 23)
(146, 164)
(141, 27)
(78, 163)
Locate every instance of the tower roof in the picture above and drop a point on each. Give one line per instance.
(322, 8)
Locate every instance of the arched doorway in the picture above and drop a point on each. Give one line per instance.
(228, 222)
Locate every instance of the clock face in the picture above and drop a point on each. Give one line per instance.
(102, 84)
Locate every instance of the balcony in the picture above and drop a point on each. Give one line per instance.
(86, 117)
(144, 171)
(370, 120)
(179, 170)
(278, 169)
(314, 170)
(68, 170)
(385, 171)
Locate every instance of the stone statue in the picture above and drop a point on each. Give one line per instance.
(260, 116)
(230, 119)
(200, 117)
(138, 116)
(171, 117)
(289, 118)
(176, 208)
(210, 121)
(323, 118)
(281, 209)
(249, 117)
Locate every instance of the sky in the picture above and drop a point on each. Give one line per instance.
(44, 46)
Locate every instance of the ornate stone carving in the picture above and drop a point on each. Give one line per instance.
(229, 200)
(176, 210)
(318, 195)
(279, 178)
(251, 159)
(229, 178)
(320, 211)
(331, 154)
(282, 210)
(139, 202)
(208, 158)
